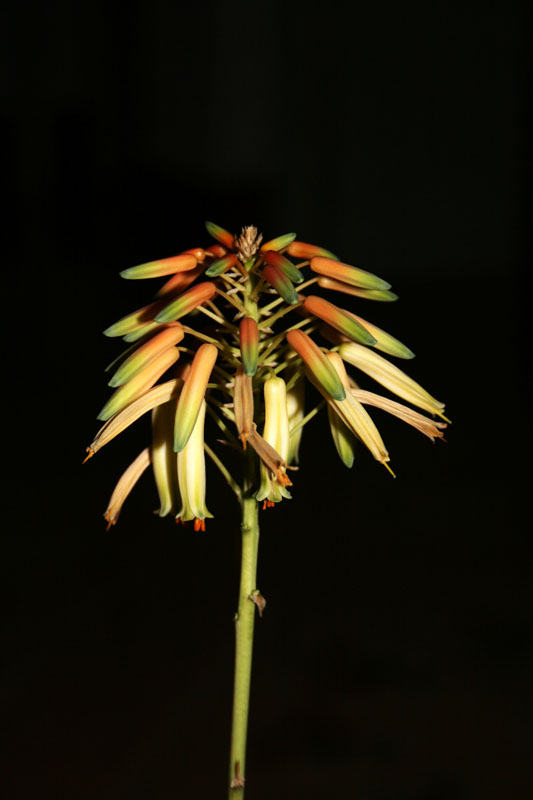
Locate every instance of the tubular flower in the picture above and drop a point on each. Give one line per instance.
(139, 384)
(249, 342)
(191, 476)
(384, 295)
(307, 251)
(275, 259)
(243, 406)
(281, 283)
(276, 433)
(339, 319)
(279, 243)
(180, 281)
(354, 417)
(124, 486)
(146, 354)
(347, 274)
(296, 412)
(155, 269)
(427, 426)
(343, 438)
(390, 377)
(186, 302)
(222, 265)
(317, 363)
(232, 332)
(164, 463)
(192, 394)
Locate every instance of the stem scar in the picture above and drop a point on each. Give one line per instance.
(257, 598)
(238, 781)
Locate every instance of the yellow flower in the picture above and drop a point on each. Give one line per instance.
(276, 433)
(124, 486)
(164, 458)
(191, 476)
(390, 376)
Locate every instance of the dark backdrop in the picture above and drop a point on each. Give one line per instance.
(394, 657)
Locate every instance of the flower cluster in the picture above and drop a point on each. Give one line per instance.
(215, 331)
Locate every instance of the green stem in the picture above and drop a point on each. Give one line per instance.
(244, 633)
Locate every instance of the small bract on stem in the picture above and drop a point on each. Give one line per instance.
(235, 336)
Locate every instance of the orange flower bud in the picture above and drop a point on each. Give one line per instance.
(221, 265)
(186, 302)
(344, 272)
(249, 340)
(275, 259)
(281, 284)
(317, 363)
(339, 319)
(224, 237)
(279, 242)
(192, 394)
(166, 266)
(308, 251)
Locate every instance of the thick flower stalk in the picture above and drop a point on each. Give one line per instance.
(227, 344)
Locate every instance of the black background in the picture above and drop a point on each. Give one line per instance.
(394, 656)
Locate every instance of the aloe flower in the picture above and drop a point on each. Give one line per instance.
(276, 433)
(232, 335)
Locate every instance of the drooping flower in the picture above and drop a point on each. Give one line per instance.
(125, 484)
(296, 412)
(249, 343)
(276, 433)
(164, 461)
(192, 394)
(191, 475)
(343, 438)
